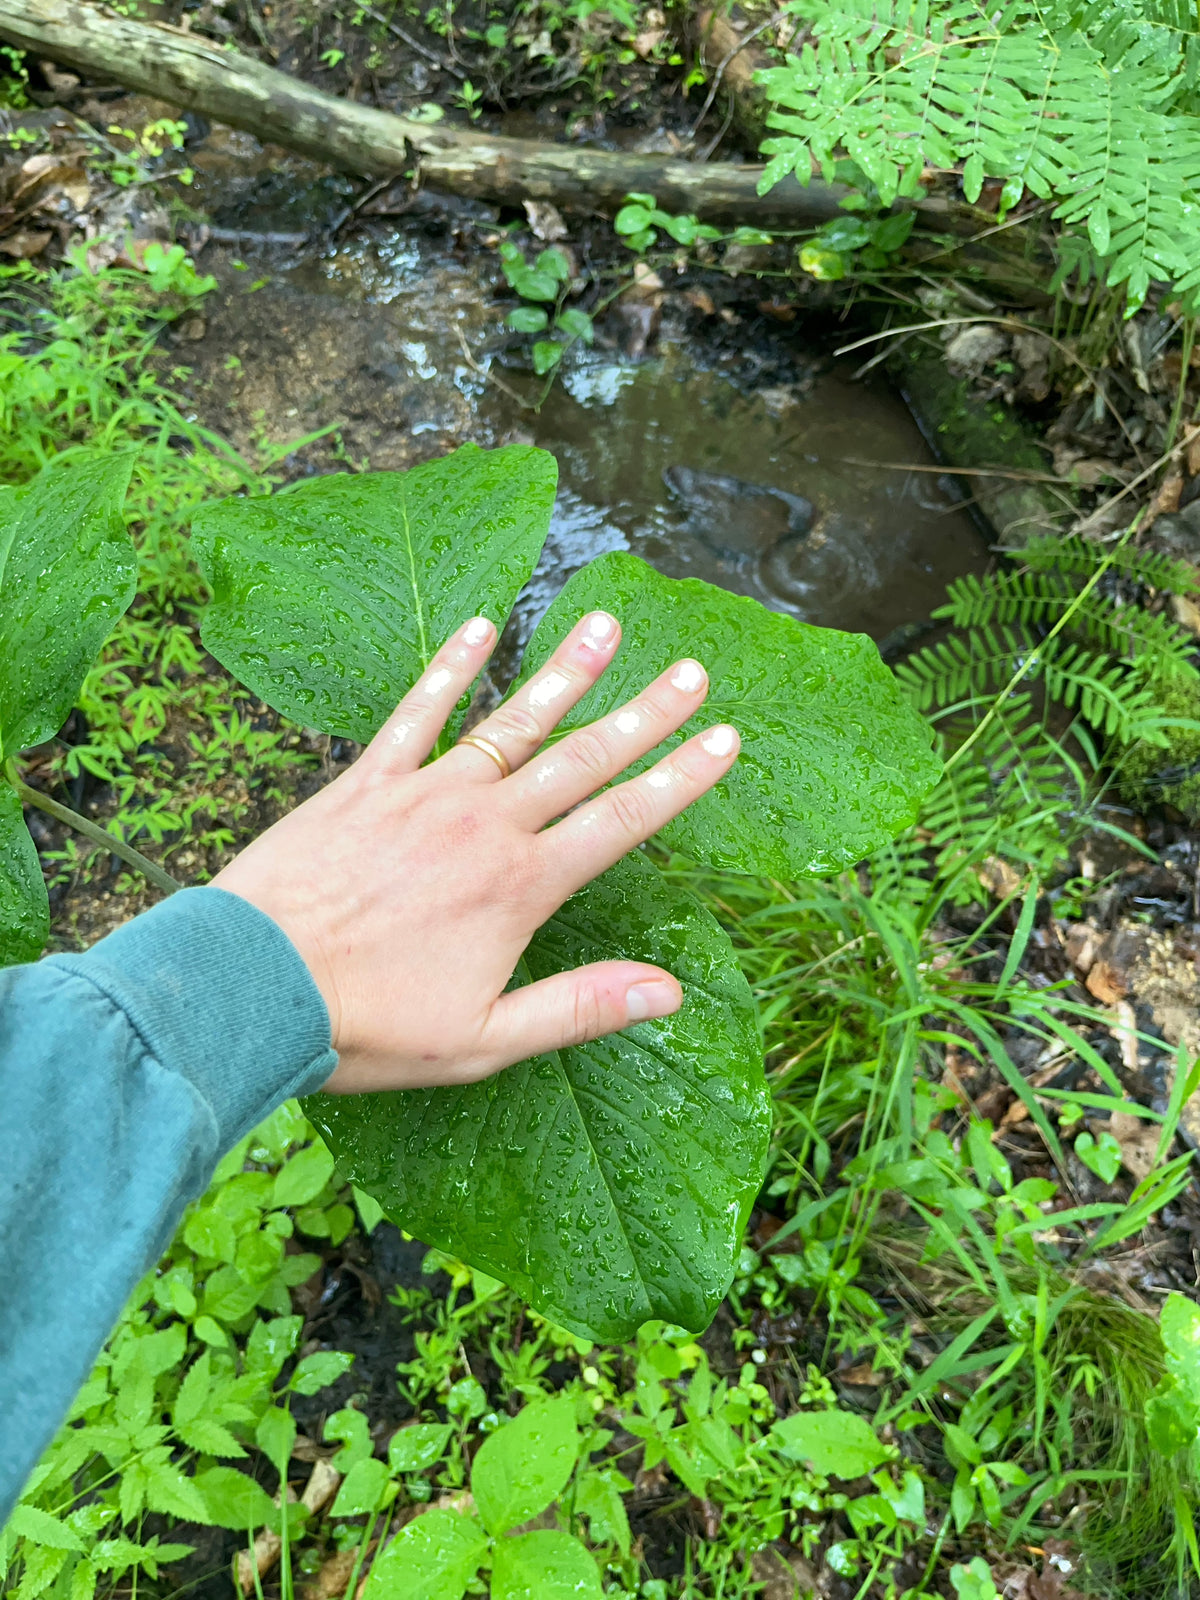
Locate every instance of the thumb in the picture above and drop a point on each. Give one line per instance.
(573, 1007)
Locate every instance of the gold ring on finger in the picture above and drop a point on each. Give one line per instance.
(489, 749)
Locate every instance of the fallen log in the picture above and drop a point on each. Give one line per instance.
(194, 74)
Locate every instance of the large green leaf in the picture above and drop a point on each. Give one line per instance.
(433, 1558)
(607, 1183)
(67, 573)
(520, 1468)
(834, 760)
(330, 600)
(544, 1565)
(24, 908)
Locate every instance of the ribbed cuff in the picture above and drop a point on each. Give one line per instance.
(218, 993)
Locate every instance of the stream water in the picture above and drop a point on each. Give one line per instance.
(715, 442)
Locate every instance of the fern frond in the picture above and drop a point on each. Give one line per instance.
(1160, 33)
(1156, 645)
(1116, 702)
(1038, 599)
(1090, 111)
(1029, 598)
(1080, 558)
(963, 667)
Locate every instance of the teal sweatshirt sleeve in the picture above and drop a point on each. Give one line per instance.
(125, 1074)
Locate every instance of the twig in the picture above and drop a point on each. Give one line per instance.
(719, 74)
(1027, 476)
(488, 375)
(413, 44)
(98, 835)
(255, 236)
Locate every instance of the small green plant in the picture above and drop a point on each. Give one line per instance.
(853, 244)
(134, 163)
(192, 1378)
(470, 99)
(544, 284)
(14, 79)
(638, 221)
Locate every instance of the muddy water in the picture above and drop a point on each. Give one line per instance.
(724, 449)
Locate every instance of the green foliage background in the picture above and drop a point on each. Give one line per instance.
(1091, 106)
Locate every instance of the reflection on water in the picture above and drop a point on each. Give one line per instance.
(672, 459)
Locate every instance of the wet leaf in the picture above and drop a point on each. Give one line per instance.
(523, 1466)
(329, 601)
(607, 1183)
(527, 319)
(545, 1565)
(834, 761)
(1101, 1156)
(233, 1499)
(433, 1558)
(836, 1443)
(414, 1448)
(362, 1489)
(24, 907)
(67, 573)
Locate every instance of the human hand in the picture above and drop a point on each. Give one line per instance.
(412, 891)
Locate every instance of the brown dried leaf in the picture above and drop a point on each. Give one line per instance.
(1106, 983)
(1166, 498)
(863, 1376)
(545, 221)
(332, 1576)
(1082, 944)
(647, 42)
(1138, 1140)
(321, 1487)
(784, 1577)
(646, 281)
(1186, 612)
(999, 877)
(23, 244)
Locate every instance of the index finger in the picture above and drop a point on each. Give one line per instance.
(595, 836)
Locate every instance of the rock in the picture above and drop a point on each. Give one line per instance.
(1166, 979)
(1178, 533)
(734, 518)
(1032, 353)
(974, 348)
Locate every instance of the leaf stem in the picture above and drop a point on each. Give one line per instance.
(93, 831)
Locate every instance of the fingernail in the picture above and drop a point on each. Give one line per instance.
(688, 677)
(651, 999)
(719, 741)
(598, 630)
(477, 631)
